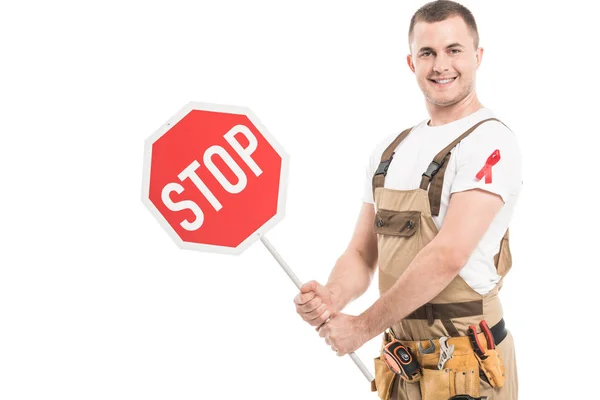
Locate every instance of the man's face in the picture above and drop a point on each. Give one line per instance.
(444, 60)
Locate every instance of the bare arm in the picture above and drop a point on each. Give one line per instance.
(349, 278)
(469, 216)
(354, 269)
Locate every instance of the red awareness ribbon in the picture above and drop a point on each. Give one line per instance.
(487, 168)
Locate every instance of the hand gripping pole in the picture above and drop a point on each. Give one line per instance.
(298, 284)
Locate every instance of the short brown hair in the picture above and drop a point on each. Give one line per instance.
(440, 10)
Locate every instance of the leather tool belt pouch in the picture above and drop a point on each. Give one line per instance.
(460, 374)
(493, 367)
(384, 377)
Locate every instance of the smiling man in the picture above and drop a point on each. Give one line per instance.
(434, 223)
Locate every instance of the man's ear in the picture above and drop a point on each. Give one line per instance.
(410, 63)
(479, 56)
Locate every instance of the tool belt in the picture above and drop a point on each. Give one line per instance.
(459, 374)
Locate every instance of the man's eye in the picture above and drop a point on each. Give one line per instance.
(455, 51)
(425, 54)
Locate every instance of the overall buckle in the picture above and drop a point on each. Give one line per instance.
(432, 169)
(384, 165)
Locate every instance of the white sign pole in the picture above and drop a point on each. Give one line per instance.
(298, 284)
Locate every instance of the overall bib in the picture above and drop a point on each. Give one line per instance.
(404, 225)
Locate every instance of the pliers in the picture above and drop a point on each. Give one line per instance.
(477, 347)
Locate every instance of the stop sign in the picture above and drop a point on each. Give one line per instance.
(215, 178)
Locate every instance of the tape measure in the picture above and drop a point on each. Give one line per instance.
(401, 361)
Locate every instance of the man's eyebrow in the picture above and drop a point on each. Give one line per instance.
(447, 47)
(425, 49)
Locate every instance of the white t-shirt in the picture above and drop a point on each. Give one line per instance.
(417, 150)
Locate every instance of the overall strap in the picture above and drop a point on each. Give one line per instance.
(439, 164)
(386, 159)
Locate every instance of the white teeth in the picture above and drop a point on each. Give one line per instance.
(445, 81)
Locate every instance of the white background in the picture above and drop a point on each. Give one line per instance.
(96, 300)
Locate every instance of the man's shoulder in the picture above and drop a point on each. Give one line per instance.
(496, 122)
(492, 131)
(489, 136)
(389, 138)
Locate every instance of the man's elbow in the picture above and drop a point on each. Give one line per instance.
(452, 257)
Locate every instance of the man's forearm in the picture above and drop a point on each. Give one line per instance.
(349, 278)
(429, 273)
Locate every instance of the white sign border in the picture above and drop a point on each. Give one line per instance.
(283, 178)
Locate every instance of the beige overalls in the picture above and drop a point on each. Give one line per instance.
(404, 225)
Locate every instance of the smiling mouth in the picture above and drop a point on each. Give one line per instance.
(443, 81)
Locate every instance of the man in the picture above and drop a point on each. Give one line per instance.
(438, 230)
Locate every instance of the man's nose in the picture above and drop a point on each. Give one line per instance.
(441, 64)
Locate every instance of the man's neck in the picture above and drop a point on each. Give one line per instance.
(441, 115)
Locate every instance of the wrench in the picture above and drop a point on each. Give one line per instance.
(430, 349)
(446, 352)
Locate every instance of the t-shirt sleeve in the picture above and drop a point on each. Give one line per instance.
(371, 167)
(489, 159)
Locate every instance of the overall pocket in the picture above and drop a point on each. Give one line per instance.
(398, 242)
(397, 223)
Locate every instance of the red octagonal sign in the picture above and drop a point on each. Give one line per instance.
(215, 178)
